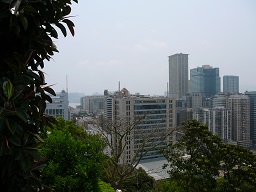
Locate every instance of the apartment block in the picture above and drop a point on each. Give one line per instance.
(158, 115)
(240, 116)
(252, 98)
(217, 119)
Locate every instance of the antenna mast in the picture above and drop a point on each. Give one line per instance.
(67, 83)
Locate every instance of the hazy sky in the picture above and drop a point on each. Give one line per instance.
(130, 41)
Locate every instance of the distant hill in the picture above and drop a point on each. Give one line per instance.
(74, 97)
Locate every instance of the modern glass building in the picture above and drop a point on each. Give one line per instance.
(205, 80)
(252, 98)
(230, 84)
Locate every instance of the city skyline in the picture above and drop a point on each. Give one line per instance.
(130, 41)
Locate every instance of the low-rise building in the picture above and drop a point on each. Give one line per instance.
(59, 106)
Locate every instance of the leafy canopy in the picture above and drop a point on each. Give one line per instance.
(74, 158)
(200, 161)
(27, 30)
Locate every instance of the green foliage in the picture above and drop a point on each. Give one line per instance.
(168, 186)
(74, 158)
(139, 181)
(199, 161)
(238, 165)
(197, 170)
(105, 187)
(26, 32)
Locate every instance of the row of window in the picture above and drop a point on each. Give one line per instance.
(54, 111)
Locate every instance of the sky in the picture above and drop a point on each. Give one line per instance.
(130, 41)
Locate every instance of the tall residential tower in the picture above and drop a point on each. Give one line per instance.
(178, 75)
(252, 97)
(240, 117)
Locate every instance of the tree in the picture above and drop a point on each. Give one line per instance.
(194, 159)
(27, 29)
(238, 167)
(168, 186)
(105, 187)
(122, 136)
(199, 161)
(139, 181)
(74, 158)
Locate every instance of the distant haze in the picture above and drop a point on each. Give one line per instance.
(130, 41)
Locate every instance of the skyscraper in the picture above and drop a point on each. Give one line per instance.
(230, 84)
(205, 80)
(178, 75)
(240, 117)
(252, 97)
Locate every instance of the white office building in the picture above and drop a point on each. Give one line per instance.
(59, 106)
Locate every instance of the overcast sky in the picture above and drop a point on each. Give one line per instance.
(130, 41)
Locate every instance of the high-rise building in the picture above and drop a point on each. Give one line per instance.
(178, 75)
(230, 84)
(252, 97)
(218, 121)
(240, 117)
(205, 80)
(220, 100)
(159, 115)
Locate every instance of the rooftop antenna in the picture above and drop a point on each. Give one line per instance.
(119, 86)
(167, 94)
(67, 83)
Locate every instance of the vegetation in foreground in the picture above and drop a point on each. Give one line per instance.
(200, 161)
(27, 30)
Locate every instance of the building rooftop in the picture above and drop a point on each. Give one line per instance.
(153, 167)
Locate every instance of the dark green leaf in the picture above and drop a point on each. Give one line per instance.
(8, 89)
(67, 10)
(8, 125)
(15, 140)
(34, 75)
(1, 110)
(62, 28)
(22, 114)
(48, 98)
(25, 163)
(50, 90)
(70, 25)
(24, 22)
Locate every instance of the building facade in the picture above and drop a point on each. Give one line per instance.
(218, 121)
(231, 84)
(59, 106)
(158, 117)
(252, 98)
(178, 75)
(220, 100)
(205, 80)
(240, 116)
(94, 103)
